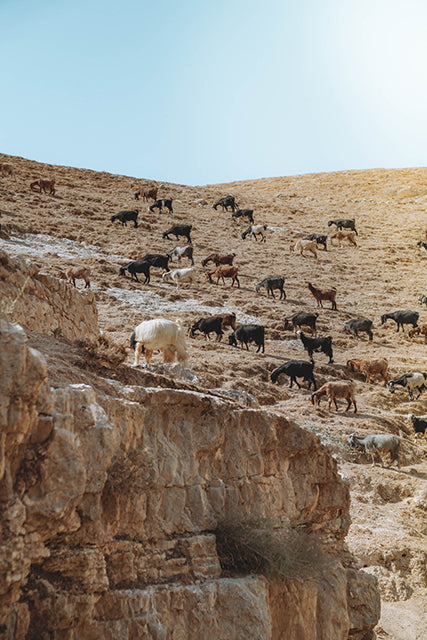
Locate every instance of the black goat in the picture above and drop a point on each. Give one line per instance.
(179, 230)
(401, 318)
(317, 344)
(270, 284)
(125, 216)
(359, 324)
(157, 260)
(296, 369)
(227, 201)
(246, 333)
(422, 245)
(419, 423)
(301, 319)
(344, 224)
(320, 239)
(159, 204)
(134, 267)
(244, 213)
(208, 326)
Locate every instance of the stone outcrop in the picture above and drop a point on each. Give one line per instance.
(42, 303)
(110, 504)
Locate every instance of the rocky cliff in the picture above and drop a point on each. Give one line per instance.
(112, 505)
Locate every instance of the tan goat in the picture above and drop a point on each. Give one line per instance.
(75, 273)
(43, 186)
(369, 367)
(323, 294)
(334, 390)
(341, 236)
(420, 330)
(6, 169)
(222, 272)
(305, 245)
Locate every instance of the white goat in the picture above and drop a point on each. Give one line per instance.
(160, 334)
(180, 275)
(416, 381)
(377, 442)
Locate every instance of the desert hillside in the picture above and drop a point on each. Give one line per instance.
(384, 273)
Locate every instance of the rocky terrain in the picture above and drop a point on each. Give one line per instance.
(153, 545)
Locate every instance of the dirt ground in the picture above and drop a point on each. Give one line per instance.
(386, 272)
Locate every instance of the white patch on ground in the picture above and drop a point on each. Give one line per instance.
(149, 301)
(40, 244)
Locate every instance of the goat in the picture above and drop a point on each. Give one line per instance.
(295, 369)
(76, 273)
(157, 260)
(375, 443)
(369, 368)
(182, 252)
(179, 230)
(159, 204)
(224, 271)
(208, 326)
(218, 259)
(228, 320)
(416, 381)
(422, 245)
(301, 319)
(246, 333)
(317, 344)
(255, 230)
(224, 203)
(244, 213)
(419, 330)
(419, 423)
(146, 194)
(401, 318)
(344, 224)
(323, 294)
(181, 275)
(305, 245)
(134, 267)
(422, 299)
(320, 239)
(334, 390)
(341, 236)
(125, 217)
(160, 334)
(359, 324)
(270, 284)
(6, 169)
(44, 186)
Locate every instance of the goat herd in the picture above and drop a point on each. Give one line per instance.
(169, 337)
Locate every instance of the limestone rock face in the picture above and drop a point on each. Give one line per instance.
(46, 304)
(109, 507)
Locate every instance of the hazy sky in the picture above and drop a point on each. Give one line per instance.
(201, 91)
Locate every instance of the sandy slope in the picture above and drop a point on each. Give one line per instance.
(386, 272)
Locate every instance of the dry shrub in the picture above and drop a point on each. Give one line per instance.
(251, 544)
(130, 473)
(104, 351)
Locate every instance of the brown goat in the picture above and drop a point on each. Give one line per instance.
(74, 273)
(44, 186)
(369, 367)
(334, 390)
(340, 236)
(6, 169)
(228, 320)
(222, 272)
(218, 259)
(146, 194)
(323, 294)
(420, 330)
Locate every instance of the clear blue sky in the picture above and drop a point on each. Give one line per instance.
(200, 92)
